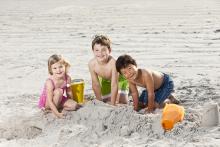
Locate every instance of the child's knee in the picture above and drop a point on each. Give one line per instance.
(123, 98)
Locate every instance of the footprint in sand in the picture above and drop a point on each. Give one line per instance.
(20, 131)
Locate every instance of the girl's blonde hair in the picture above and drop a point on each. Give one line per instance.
(57, 58)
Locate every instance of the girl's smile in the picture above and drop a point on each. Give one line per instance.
(58, 70)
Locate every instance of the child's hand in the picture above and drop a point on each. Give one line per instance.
(150, 108)
(110, 103)
(60, 115)
(121, 105)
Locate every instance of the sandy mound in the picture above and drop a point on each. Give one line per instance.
(99, 124)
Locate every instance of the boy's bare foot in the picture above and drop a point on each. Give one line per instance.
(173, 100)
(162, 105)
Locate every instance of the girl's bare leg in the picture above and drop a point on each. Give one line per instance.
(58, 93)
(70, 105)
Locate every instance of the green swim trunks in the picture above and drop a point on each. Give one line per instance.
(123, 86)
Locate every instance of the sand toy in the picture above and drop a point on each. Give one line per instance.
(172, 114)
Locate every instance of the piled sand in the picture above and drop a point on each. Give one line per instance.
(181, 38)
(99, 124)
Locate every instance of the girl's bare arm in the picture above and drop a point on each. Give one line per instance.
(68, 90)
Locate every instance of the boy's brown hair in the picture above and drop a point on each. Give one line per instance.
(101, 39)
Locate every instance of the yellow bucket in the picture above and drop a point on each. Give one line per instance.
(77, 87)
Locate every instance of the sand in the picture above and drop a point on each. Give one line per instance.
(181, 38)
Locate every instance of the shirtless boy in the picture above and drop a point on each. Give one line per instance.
(158, 86)
(107, 85)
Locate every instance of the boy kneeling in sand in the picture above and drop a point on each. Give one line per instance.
(159, 86)
(105, 78)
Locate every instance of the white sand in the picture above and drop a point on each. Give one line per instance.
(179, 37)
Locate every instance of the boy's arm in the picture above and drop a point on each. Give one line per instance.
(95, 83)
(134, 94)
(49, 87)
(69, 91)
(114, 85)
(149, 82)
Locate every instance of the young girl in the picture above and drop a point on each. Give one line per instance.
(57, 93)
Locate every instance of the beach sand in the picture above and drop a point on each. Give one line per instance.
(178, 37)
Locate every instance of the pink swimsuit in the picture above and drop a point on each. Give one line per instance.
(43, 96)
